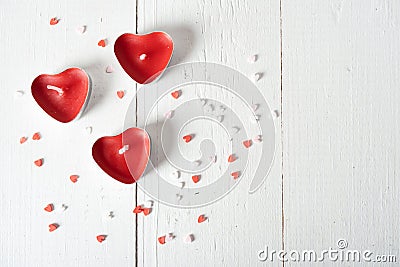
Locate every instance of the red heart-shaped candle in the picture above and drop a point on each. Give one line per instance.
(114, 153)
(62, 95)
(144, 57)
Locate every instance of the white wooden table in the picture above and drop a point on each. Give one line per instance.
(330, 68)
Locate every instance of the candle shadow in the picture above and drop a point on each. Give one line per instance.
(184, 38)
(100, 82)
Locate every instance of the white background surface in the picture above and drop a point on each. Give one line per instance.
(331, 69)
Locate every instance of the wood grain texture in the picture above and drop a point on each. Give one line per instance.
(239, 225)
(340, 125)
(30, 46)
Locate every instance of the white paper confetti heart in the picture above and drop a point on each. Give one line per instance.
(176, 174)
(109, 69)
(19, 93)
(189, 238)
(169, 114)
(257, 139)
(252, 58)
(89, 129)
(81, 29)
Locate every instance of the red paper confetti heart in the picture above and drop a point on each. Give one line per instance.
(54, 21)
(38, 162)
(74, 178)
(49, 208)
(101, 238)
(201, 218)
(187, 138)
(63, 95)
(196, 178)
(53, 227)
(231, 158)
(144, 57)
(146, 211)
(247, 143)
(36, 136)
(102, 43)
(176, 94)
(235, 175)
(161, 240)
(23, 140)
(124, 157)
(120, 94)
(137, 209)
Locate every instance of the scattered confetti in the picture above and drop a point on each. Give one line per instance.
(74, 178)
(81, 29)
(169, 237)
(256, 77)
(176, 94)
(89, 129)
(138, 209)
(201, 218)
(120, 94)
(220, 118)
(252, 58)
(36, 136)
(235, 129)
(53, 227)
(111, 215)
(49, 208)
(209, 108)
(231, 158)
(247, 143)
(189, 238)
(146, 211)
(276, 113)
(196, 163)
(176, 174)
(64, 207)
(255, 107)
(23, 139)
(196, 178)
(213, 158)
(187, 138)
(169, 114)
(179, 197)
(257, 139)
(38, 162)
(222, 108)
(109, 69)
(182, 184)
(19, 93)
(54, 21)
(102, 43)
(101, 238)
(161, 240)
(235, 175)
(203, 102)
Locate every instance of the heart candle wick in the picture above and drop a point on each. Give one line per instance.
(123, 149)
(142, 56)
(55, 88)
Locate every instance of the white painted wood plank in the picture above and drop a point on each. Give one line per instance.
(30, 46)
(240, 224)
(340, 125)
